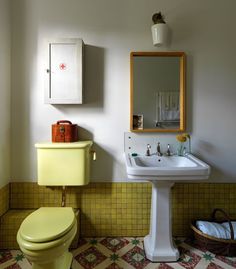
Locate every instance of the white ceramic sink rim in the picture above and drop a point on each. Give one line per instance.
(167, 167)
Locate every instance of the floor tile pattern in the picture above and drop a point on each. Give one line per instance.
(126, 253)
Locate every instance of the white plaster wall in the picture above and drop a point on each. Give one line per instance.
(111, 29)
(5, 37)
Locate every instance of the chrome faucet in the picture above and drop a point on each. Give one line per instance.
(148, 152)
(159, 149)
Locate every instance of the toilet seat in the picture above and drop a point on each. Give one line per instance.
(47, 224)
(45, 246)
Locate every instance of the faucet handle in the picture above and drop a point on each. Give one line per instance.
(148, 150)
(168, 150)
(159, 153)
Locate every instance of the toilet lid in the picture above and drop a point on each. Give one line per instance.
(47, 224)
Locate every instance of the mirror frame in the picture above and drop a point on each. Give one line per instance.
(181, 86)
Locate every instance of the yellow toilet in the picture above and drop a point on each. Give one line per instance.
(46, 234)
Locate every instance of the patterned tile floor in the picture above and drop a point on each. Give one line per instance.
(126, 253)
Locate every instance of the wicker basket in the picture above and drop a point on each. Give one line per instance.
(224, 247)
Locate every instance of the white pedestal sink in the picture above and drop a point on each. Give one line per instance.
(158, 243)
(163, 172)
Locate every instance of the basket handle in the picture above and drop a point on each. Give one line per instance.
(227, 218)
(63, 121)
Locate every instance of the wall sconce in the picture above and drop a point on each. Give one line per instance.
(159, 30)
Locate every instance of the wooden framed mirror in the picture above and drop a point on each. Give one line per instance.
(157, 91)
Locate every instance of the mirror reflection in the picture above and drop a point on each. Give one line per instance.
(157, 91)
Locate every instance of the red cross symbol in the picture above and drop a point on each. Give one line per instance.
(62, 66)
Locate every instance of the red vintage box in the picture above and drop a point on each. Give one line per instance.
(64, 131)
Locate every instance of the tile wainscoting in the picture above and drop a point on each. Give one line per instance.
(123, 209)
(4, 199)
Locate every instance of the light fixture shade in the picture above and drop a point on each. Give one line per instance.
(159, 34)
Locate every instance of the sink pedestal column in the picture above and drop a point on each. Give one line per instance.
(158, 244)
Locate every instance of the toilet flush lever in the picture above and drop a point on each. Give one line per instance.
(94, 155)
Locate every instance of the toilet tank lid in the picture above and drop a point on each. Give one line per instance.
(56, 145)
(47, 224)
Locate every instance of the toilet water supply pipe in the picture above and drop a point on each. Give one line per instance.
(63, 198)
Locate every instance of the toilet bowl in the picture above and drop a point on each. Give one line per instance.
(45, 236)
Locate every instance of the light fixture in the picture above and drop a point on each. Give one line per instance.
(159, 30)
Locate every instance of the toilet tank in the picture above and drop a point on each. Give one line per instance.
(63, 164)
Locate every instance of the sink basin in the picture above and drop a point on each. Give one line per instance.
(163, 172)
(175, 168)
(170, 162)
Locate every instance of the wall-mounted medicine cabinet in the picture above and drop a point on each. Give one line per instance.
(64, 71)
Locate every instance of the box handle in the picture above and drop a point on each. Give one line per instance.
(63, 121)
